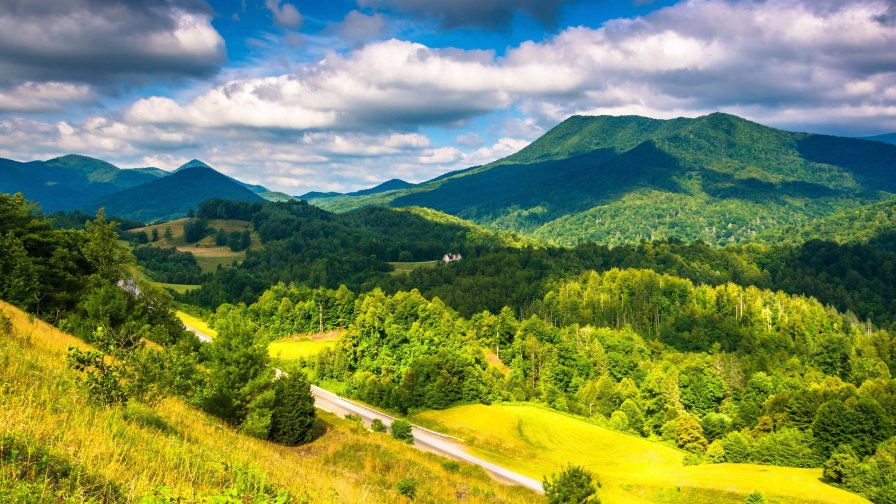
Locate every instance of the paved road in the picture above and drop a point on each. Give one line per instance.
(423, 438)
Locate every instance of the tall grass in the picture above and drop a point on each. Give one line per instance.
(57, 447)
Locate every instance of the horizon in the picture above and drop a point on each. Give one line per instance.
(299, 96)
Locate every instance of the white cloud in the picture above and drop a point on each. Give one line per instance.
(42, 96)
(285, 14)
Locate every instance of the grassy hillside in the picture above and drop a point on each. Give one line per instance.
(537, 441)
(173, 196)
(717, 178)
(56, 447)
(208, 255)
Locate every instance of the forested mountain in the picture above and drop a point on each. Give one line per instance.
(716, 178)
(889, 138)
(173, 196)
(389, 185)
(68, 182)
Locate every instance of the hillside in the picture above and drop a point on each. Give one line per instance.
(717, 178)
(389, 185)
(173, 196)
(875, 222)
(57, 447)
(67, 182)
(535, 440)
(889, 138)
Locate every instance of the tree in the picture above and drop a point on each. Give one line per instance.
(689, 434)
(402, 431)
(221, 237)
(155, 234)
(292, 420)
(239, 375)
(574, 485)
(168, 233)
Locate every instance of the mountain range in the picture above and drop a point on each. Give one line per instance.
(717, 178)
(609, 179)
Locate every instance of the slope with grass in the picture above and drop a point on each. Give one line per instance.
(208, 255)
(717, 178)
(537, 441)
(302, 345)
(56, 447)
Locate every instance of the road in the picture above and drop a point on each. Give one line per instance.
(424, 439)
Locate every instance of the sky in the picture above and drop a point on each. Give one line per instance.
(340, 95)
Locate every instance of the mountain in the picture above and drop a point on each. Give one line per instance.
(717, 178)
(389, 185)
(889, 138)
(67, 182)
(173, 196)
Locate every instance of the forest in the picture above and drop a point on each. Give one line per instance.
(750, 353)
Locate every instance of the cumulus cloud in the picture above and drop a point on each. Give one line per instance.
(475, 13)
(359, 27)
(95, 41)
(687, 59)
(285, 14)
(29, 97)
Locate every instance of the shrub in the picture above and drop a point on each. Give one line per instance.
(574, 485)
(292, 419)
(787, 447)
(755, 498)
(737, 447)
(715, 452)
(402, 431)
(377, 425)
(408, 487)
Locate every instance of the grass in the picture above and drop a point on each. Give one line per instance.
(292, 349)
(208, 255)
(178, 288)
(407, 267)
(196, 323)
(57, 447)
(537, 441)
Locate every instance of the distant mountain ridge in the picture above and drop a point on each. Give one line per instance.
(173, 196)
(389, 185)
(889, 138)
(717, 178)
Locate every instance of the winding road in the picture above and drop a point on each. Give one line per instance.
(424, 439)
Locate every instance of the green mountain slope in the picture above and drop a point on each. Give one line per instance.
(889, 138)
(173, 196)
(717, 178)
(389, 185)
(67, 182)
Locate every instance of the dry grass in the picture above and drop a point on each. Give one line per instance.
(128, 453)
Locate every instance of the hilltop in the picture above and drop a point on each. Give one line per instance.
(717, 178)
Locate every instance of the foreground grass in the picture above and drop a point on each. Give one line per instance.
(537, 441)
(196, 323)
(56, 447)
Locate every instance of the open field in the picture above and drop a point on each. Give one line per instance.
(537, 441)
(178, 288)
(57, 447)
(296, 347)
(407, 267)
(196, 323)
(208, 255)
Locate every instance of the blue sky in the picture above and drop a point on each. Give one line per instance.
(342, 95)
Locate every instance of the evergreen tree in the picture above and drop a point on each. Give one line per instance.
(292, 419)
(573, 485)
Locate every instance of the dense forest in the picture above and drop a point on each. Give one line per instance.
(730, 374)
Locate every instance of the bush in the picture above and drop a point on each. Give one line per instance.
(574, 485)
(402, 431)
(787, 447)
(292, 419)
(755, 498)
(377, 425)
(408, 487)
